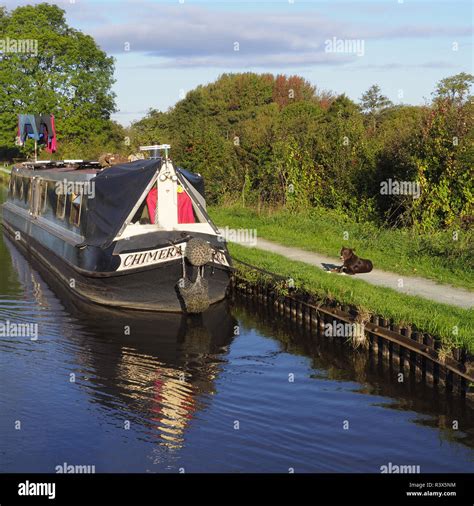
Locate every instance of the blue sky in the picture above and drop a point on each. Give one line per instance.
(165, 48)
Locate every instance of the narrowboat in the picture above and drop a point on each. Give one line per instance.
(135, 235)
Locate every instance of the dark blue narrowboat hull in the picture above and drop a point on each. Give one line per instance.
(91, 272)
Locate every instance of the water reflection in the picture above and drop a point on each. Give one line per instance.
(335, 360)
(159, 369)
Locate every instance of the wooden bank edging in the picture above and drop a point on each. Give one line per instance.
(411, 352)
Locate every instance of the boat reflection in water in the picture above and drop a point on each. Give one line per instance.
(156, 369)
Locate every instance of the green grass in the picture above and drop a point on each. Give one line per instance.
(435, 256)
(5, 170)
(437, 319)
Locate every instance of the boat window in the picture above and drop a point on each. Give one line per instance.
(20, 188)
(26, 190)
(29, 196)
(11, 187)
(51, 196)
(76, 205)
(61, 206)
(43, 189)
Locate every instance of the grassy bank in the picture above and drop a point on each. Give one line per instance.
(455, 326)
(5, 170)
(436, 256)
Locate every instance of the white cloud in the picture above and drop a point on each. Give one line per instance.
(410, 66)
(187, 36)
(184, 35)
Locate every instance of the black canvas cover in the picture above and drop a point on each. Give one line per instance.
(117, 190)
(195, 179)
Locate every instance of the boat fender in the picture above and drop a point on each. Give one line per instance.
(195, 295)
(198, 252)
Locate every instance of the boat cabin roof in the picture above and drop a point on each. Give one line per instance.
(117, 192)
(79, 170)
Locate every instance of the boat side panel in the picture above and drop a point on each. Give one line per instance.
(154, 289)
(90, 260)
(61, 242)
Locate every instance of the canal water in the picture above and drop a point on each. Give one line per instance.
(232, 391)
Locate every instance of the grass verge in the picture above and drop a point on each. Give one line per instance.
(454, 326)
(436, 256)
(5, 170)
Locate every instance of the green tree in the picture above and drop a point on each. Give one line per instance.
(395, 146)
(342, 157)
(455, 88)
(444, 156)
(70, 77)
(373, 103)
(255, 144)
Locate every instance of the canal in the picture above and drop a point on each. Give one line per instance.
(235, 390)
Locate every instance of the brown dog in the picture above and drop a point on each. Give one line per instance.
(352, 263)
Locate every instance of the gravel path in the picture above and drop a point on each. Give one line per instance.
(446, 294)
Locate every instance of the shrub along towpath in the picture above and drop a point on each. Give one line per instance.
(409, 285)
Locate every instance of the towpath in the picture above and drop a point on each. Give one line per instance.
(426, 288)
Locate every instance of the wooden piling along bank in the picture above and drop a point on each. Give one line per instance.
(411, 352)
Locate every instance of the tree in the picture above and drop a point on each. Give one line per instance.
(455, 89)
(444, 156)
(341, 155)
(395, 147)
(373, 102)
(254, 145)
(154, 128)
(288, 90)
(69, 76)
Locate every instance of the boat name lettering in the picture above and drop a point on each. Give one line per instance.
(150, 257)
(144, 258)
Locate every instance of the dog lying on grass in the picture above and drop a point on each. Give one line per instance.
(352, 263)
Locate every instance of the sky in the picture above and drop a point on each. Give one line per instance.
(164, 48)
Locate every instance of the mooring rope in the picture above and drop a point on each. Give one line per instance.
(268, 273)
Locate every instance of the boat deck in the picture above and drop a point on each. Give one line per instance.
(78, 168)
